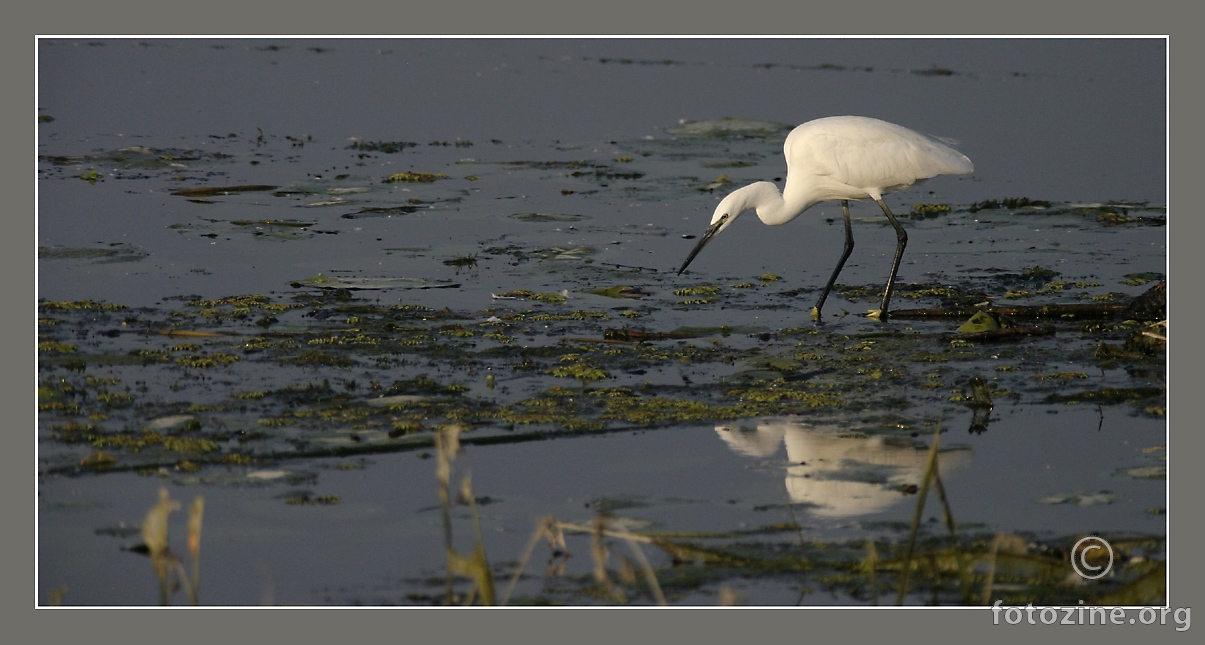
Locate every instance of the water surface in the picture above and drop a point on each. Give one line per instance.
(564, 172)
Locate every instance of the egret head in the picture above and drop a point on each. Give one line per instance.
(737, 202)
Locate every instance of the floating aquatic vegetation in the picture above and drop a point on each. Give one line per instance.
(1008, 202)
(548, 217)
(321, 281)
(1143, 472)
(414, 177)
(306, 498)
(523, 294)
(622, 291)
(699, 290)
(916, 291)
(729, 163)
(920, 211)
(1138, 279)
(278, 223)
(719, 182)
(132, 442)
(1108, 395)
(933, 71)
(139, 158)
(461, 261)
(580, 371)
(327, 420)
(113, 253)
(381, 211)
(205, 361)
(1109, 213)
(640, 61)
(55, 347)
(387, 147)
(324, 332)
(112, 400)
(79, 305)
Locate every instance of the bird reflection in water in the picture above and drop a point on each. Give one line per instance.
(837, 473)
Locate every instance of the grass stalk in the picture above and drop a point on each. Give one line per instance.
(930, 470)
(871, 565)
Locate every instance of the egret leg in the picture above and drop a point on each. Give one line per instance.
(849, 248)
(901, 240)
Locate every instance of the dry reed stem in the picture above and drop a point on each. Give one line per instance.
(650, 576)
(196, 513)
(475, 566)
(605, 532)
(154, 535)
(986, 599)
(798, 529)
(599, 552)
(544, 529)
(871, 565)
(964, 574)
(930, 469)
(447, 444)
(599, 555)
(483, 576)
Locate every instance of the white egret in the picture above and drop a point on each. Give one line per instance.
(840, 158)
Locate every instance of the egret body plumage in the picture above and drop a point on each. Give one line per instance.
(840, 158)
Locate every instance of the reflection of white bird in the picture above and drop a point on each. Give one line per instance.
(762, 441)
(842, 158)
(837, 474)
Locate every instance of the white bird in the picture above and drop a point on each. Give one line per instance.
(842, 158)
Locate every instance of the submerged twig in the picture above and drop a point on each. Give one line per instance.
(1010, 333)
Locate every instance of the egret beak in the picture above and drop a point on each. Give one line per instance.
(711, 231)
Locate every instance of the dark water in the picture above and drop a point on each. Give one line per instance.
(384, 540)
(1064, 120)
(1074, 122)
